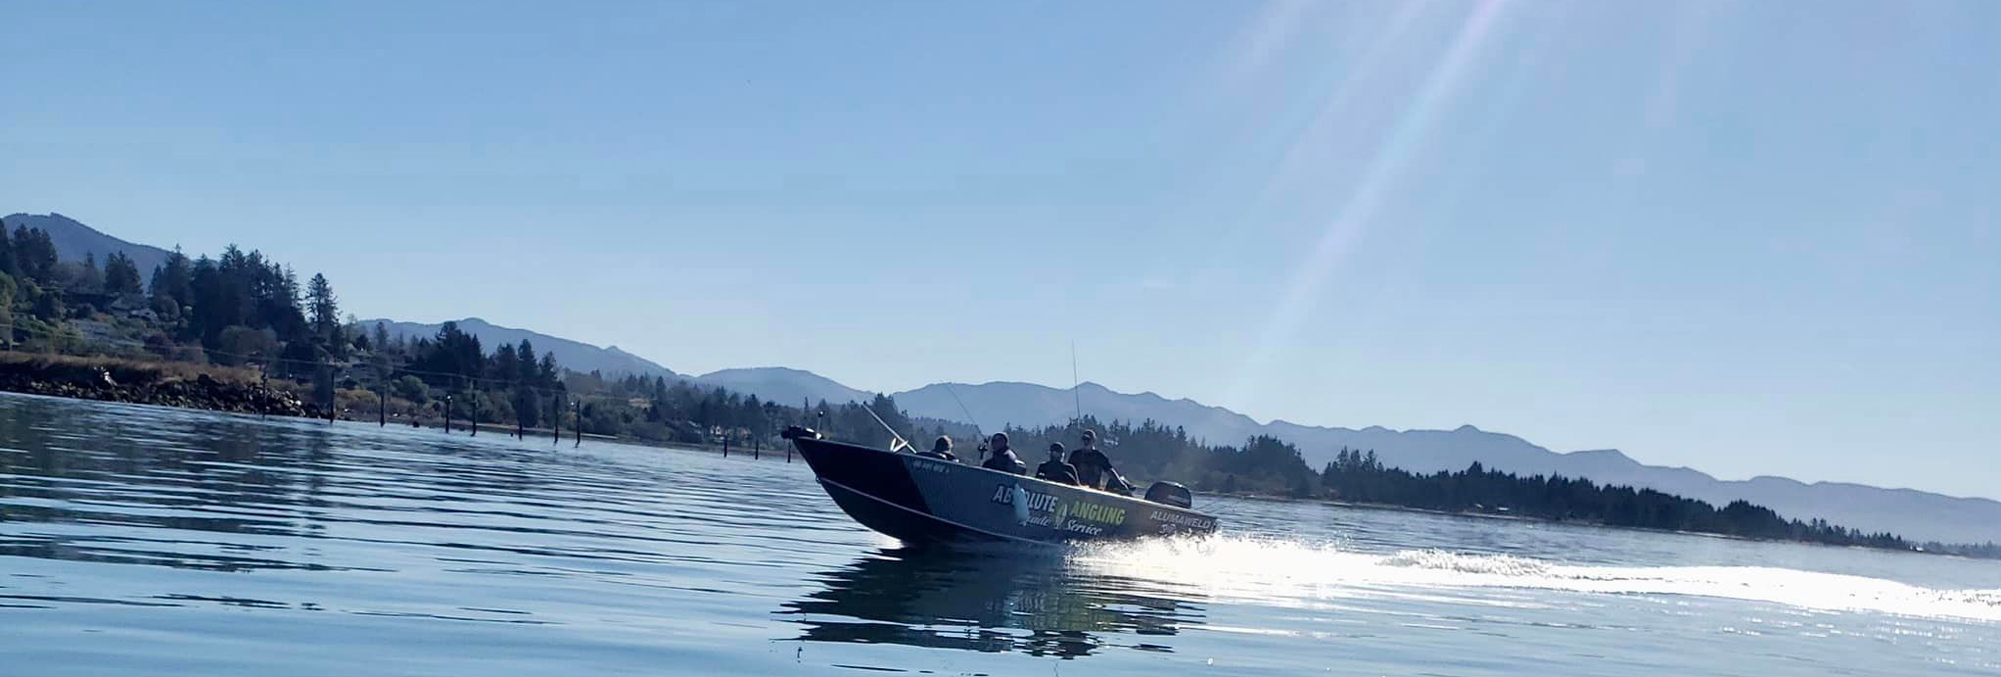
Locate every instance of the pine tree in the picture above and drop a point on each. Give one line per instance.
(524, 368)
(88, 277)
(175, 279)
(121, 276)
(325, 313)
(547, 369)
(9, 263)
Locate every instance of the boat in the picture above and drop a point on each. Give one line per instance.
(921, 499)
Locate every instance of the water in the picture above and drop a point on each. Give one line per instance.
(142, 540)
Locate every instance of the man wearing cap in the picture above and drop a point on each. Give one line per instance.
(1003, 458)
(1054, 469)
(1094, 469)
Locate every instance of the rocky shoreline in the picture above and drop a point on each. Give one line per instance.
(139, 383)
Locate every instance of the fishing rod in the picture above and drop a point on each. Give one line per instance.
(1076, 386)
(897, 440)
(977, 429)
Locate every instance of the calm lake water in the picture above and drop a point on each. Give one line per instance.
(142, 540)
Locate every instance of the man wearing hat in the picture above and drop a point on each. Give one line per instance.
(1003, 458)
(1054, 469)
(1094, 469)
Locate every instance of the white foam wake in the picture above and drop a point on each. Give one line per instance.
(1288, 572)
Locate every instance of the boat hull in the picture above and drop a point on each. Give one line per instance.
(918, 499)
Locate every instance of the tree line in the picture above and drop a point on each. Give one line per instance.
(1270, 466)
(1359, 476)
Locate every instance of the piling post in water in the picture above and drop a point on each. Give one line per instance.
(382, 409)
(756, 448)
(556, 420)
(726, 446)
(579, 406)
(448, 413)
(472, 402)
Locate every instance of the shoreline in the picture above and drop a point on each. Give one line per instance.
(197, 387)
(178, 385)
(229, 390)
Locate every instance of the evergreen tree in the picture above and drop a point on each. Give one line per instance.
(546, 372)
(9, 263)
(87, 277)
(35, 255)
(324, 311)
(525, 369)
(174, 280)
(121, 276)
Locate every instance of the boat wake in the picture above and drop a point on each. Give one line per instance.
(1292, 573)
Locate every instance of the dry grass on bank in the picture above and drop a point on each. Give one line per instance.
(122, 370)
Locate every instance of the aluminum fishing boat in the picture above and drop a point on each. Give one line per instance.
(922, 499)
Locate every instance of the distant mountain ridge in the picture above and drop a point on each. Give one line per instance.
(74, 240)
(783, 385)
(573, 355)
(1914, 514)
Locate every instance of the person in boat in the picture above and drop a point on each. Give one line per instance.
(1003, 458)
(1094, 469)
(1054, 469)
(941, 449)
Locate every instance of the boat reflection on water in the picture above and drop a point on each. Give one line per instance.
(998, 599)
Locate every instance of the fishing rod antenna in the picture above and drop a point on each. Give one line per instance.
(977, 430)
(896, 439)
(1076, 386)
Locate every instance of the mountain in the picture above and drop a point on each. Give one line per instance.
(783, 385)
(74, 240)
(574, 355)
(1910, 513)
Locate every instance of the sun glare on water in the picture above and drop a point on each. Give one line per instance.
(1303, 574)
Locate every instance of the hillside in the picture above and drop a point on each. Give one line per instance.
(783, 385)
(74, 240)
(573, 355)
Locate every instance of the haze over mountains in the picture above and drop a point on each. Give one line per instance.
(1913, 514)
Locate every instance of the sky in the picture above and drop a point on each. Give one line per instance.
(1745, 237)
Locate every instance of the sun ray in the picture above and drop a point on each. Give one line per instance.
(1384, 168)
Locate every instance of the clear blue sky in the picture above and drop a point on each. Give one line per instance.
(1744, 237)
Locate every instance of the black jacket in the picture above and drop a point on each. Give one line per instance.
(1055, 470)
(1092, 466)
(1005, 461)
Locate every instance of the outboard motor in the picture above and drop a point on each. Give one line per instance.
(1169, 493)
(793, 432)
